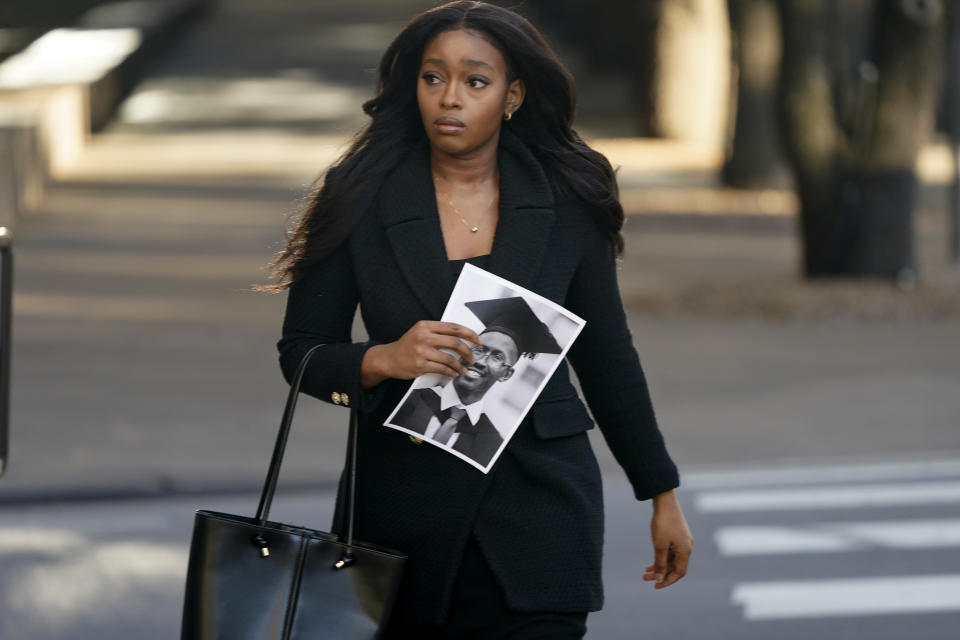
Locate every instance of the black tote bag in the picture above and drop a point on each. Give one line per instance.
(253, 579)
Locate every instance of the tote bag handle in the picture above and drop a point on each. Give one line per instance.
(273, 473)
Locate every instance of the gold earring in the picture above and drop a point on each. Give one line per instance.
(507, 116)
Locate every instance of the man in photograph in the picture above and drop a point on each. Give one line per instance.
(453, 414)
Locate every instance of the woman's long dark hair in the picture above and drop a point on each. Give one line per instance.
(543, 122)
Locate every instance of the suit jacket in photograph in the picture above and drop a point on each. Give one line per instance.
(537, 515)
(476, 441)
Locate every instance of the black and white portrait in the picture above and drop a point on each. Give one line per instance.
(524, 338)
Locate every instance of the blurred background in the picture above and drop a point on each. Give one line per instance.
(789, 173)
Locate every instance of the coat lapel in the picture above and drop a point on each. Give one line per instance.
(526, 214)
(408, 212)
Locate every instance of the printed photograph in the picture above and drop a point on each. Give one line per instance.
(525, 337)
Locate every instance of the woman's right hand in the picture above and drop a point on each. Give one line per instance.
(418, 352)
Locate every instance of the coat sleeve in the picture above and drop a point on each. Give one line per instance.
(610, 374)
(320, 310)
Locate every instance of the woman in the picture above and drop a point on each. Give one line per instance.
(470, 157)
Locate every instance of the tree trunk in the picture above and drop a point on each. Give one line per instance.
(691, 71)
(754, 160)
(855, 167)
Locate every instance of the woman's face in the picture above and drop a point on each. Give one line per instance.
(463, 92)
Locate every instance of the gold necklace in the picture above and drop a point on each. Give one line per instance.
(473, 228)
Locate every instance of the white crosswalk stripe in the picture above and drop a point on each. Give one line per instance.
(822, 474)
(894, 510)
(838, 536)
(864, 596)
(831, 497)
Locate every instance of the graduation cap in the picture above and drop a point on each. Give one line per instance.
(515, 318)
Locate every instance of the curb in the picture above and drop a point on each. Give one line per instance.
(164, 489)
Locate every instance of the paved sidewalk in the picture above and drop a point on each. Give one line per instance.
(144, 363)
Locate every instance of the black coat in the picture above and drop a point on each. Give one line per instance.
(538, 514)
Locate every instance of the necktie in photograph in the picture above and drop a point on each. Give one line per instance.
(450, 424)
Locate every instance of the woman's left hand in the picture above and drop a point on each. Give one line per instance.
(672, 541)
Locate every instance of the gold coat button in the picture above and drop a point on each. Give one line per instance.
(335, 396)
(416, 440)
(345, 399)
